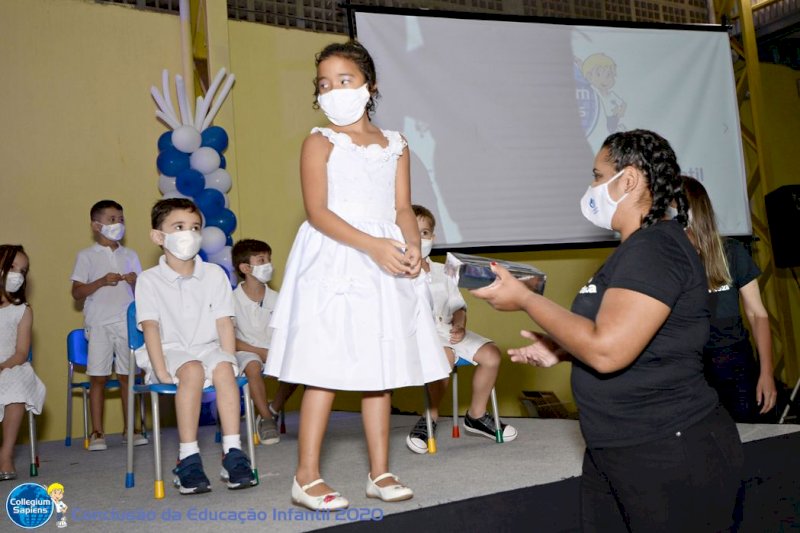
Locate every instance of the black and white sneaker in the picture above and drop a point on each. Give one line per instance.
(485, 426)
(236, 470)
(190, 477)
(417, 440)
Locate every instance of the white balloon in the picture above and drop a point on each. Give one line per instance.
(174, 194)
(205, 160)
(223, 258)
(186, 139)
(166, 184)
(213, 240)
(219, 180)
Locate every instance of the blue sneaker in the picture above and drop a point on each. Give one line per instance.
(191, 479)
(236, 470)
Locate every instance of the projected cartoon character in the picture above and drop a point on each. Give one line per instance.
(601, 72)
(56, 492)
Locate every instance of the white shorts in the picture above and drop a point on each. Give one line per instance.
(245, 358)
(468, 347)
(175, 359)
(104, 342)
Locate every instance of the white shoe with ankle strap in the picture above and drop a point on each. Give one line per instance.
(391, 493)
(331, 501)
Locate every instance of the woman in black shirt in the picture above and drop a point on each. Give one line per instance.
(661, 455)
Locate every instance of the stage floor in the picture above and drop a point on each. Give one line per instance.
(546, 451)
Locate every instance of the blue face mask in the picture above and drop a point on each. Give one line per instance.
(597, 205)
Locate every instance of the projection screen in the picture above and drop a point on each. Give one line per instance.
(503, 118)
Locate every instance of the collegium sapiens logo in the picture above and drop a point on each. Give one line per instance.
(29, 505)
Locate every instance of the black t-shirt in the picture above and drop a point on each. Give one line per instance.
(664, 389)
(727, 328)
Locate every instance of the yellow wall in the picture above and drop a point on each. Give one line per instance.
(79, 125)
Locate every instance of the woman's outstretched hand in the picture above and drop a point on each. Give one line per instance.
(506, 293)
(543, 352)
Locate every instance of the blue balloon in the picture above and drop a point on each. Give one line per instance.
(210, 202)
(171, 162)
(190, 182)
(203, 256)
(165, 141)
(224, 220)
(228, 240)
(216, 138)
(222, 162)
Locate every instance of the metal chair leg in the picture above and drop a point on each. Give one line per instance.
(248, 417)
(456, 430)
(498, 434)
(32, 435)
(68, 437)
(791, 400)
(85, 418)
(429, 421)
(158, 485)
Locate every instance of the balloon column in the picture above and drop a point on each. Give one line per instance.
(192, 164)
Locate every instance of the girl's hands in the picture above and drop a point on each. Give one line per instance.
(413, 257)
(506, 293)
(389, 255)
(543, 352)
(164, 377)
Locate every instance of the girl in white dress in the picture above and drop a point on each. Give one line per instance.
(20, 388)
(352, 312)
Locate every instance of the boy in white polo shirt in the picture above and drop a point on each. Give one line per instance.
(104, 278)
(254, 301)
(185, 308)
(450, 313)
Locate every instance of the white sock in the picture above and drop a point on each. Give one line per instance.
(186, 449)
(231, 441)
(271, 410)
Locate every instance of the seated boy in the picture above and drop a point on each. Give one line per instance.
(253, 302)
(104, 278)
(450, 313)
(185, 309)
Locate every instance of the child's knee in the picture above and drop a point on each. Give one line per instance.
(488, 356)
(191, 372)
(223, 374)
(252, 370)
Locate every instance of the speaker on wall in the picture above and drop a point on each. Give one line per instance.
(783, 216)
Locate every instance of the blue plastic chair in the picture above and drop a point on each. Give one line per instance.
(135, 341)
(77, 355)
(454, 378)
(456, 431)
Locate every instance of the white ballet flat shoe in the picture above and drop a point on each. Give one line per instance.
(391, 493)
(333, 501)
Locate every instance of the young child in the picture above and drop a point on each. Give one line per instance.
(450, 313)
(352, 313)
(20, 388)
(254, 302)
(104, 277)
(185, 309)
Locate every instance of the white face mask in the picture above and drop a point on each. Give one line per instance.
(183, 244)
(671, 213)
(262, 273)
(597, 205)
(426, 245)
(344, 106)
(113, 232)
(14, 281)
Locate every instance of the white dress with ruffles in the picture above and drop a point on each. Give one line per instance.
(340, 321)
(18, 384)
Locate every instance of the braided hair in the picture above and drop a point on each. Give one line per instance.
(654, 157)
